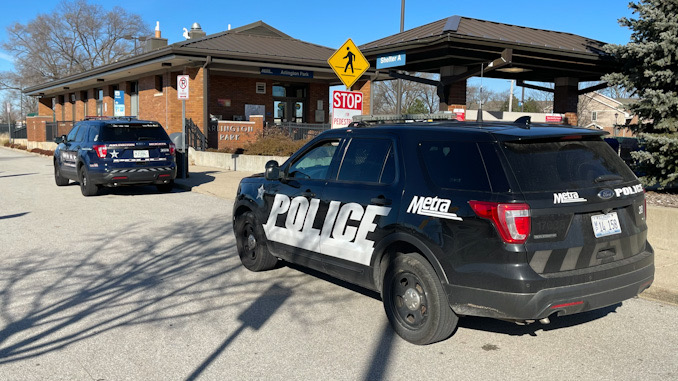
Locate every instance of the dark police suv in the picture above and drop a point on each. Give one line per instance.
(115, 151)
(514, 222)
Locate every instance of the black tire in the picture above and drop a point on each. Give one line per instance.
(86, 186)
(58, 179)
(251, 243)
(415, 302)
(165, 188)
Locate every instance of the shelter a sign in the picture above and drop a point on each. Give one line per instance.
(348, 63)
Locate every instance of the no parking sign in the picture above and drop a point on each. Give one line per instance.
(182, 87)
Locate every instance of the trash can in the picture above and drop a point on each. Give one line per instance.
(182, 164)
(181, 155)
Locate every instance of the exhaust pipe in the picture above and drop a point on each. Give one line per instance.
(545, 321)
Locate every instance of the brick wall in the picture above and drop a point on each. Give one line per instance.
(366, 89)
(228, 96)
(318, 92)
(35, 128)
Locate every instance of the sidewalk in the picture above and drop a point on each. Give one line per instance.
(212, 181)
(663, 232)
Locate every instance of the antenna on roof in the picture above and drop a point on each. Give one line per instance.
(480, 109)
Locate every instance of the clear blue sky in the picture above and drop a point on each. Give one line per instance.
(330, 23)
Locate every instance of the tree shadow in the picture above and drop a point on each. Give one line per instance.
(50, 300)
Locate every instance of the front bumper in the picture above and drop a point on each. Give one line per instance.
(563, 299)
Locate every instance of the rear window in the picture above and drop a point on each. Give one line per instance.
(454, 165)
(133, 132)
(564, 164)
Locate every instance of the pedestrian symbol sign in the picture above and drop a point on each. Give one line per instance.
(348, 63)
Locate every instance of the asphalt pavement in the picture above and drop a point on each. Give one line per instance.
(223, 183)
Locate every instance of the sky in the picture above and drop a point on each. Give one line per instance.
(331, 23)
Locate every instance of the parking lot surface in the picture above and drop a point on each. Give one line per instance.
(134, 284)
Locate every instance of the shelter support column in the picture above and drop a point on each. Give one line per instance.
(453, 95)
(566, 98)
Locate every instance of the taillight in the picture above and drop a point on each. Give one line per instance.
(511, 220)
(101, 150)
(173, 149)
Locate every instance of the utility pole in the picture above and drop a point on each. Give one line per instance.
(400, 81)
(511, 97)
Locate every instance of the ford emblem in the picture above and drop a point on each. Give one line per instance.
(606, 194)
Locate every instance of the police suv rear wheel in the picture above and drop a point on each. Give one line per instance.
(415, 302)
(251, 244)
(86, 186)
(58, 179)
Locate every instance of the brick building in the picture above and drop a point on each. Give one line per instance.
(258, 70)
(252, 70)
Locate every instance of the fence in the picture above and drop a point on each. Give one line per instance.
(18, 130)
(302, 131)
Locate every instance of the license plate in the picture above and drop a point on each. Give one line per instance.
(605, 224)
(141, 154)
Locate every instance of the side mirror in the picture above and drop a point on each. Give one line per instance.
(272, 170)
(60, 139)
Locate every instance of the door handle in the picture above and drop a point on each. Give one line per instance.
(381, 201)
(308, 194)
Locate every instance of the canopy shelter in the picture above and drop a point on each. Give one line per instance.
(459, 47)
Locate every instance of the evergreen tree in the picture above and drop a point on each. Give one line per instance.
(649, 68)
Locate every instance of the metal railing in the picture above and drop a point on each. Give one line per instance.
(301, 131)
(55, 129)
(194, 137)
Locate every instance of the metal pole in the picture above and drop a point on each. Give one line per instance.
(399, 95)
(511, 98)
(522, 100)
(183, 138)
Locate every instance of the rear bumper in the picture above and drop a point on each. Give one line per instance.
(562, 300)
(131, 176)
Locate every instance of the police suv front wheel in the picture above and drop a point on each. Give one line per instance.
(251, 244)
(415, 302)
(58, 179)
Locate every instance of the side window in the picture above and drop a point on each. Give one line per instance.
(72, 134)
(365, 161)
(454, 165)
(82, 134)
(315, 163)
(93, 134)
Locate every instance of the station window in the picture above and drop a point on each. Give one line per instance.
(159, 83)
(84, 97)
(99, 96)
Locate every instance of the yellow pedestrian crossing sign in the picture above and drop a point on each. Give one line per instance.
(348, 63)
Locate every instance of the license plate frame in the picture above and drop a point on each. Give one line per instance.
(605, 224)
(141, 154)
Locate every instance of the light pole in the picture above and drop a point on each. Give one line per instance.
(615, 123)
(135, 38)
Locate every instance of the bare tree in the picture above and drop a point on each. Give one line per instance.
(414, 93)
(75, 37)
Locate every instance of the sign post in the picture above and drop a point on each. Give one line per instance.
(348, 63)
(182, 94)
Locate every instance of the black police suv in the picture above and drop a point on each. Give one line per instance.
(115, 151)
(514, 222)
